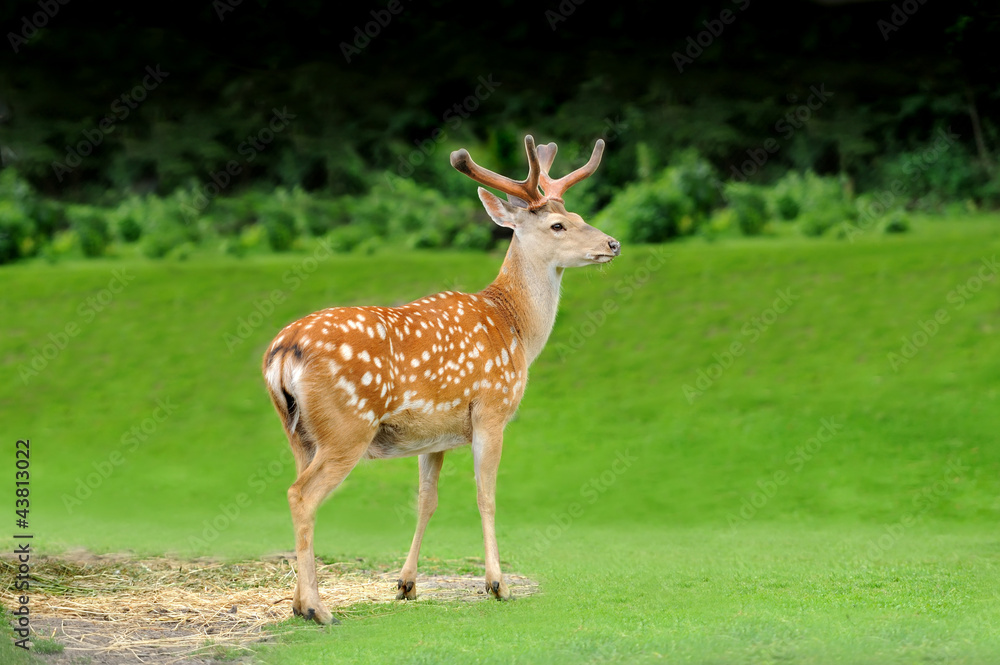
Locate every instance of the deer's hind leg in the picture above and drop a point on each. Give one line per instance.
(335, 452)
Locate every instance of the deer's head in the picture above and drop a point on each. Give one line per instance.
(534, 208)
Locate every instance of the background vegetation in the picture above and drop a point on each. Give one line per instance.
(246, 127)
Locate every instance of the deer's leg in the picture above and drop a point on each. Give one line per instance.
(303, 453)
(430, 471)
(323, 475)
(487, 443)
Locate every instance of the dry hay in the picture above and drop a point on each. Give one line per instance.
(119, 609)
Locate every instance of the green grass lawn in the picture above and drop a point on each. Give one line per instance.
(753, 451)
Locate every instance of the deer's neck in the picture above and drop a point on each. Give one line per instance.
(527, 291)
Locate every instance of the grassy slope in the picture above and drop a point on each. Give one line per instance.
(657, 557)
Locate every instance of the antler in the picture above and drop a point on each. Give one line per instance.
(526, 193)
(554, 189)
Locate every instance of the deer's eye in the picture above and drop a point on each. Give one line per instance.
(557, 227)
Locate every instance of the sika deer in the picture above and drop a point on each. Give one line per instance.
(424, 378)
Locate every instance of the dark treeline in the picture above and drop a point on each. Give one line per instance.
(101, 100)
(368, 84)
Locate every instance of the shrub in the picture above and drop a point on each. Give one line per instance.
(418, 216)
(167, 223)
(91, 226)
(19, 209)
(279, 226)
(161, 241)
(129, 229)
(676, 203)
(15, 229)
(817, 203)
(644, 213)
(786, 207)
(695, 178)
(935, 172)
(896, 221)
(474, 236)
(346, 238)
(749, 208)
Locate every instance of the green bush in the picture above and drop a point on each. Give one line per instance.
(676, 203)
(695, 178)
(167, 224)
(158, 243)
(15, 230)
(474, 236)
(420, 217)
(896, 221)
(749, 208)
(347, 238)
(129, 229)
(280, 228)
(817, 203)
(935, 172)
(644, 213)
(18, 209)
(91, 227)
(787, 207)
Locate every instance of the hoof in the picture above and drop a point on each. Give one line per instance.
(498, 590)
(406, 590)
(320, 615)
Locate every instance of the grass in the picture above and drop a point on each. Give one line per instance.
(793, 498)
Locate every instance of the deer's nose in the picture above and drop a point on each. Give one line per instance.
(616, 247)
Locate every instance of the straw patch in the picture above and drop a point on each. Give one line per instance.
(119, 609)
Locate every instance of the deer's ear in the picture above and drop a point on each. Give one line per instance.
(500, 211)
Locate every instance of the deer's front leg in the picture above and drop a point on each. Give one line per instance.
(430, 471)
(487, 444)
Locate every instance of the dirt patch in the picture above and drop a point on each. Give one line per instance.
(119, 609)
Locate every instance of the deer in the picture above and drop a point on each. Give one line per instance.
(444, 371)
